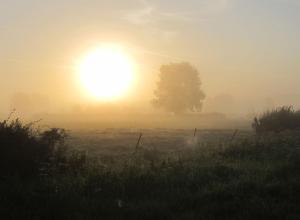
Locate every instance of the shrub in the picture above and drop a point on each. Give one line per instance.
(277, 120)
(26, 152)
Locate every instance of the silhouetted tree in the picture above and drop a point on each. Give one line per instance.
(178, 89)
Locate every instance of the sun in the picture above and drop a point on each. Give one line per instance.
(106, 73)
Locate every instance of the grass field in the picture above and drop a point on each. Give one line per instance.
(123, 141)
(218, 174)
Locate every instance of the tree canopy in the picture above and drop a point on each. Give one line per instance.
(178, 89)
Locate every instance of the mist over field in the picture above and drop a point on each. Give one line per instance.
(245, 51)
(139, 109)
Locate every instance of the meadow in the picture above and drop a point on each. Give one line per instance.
(169, 174)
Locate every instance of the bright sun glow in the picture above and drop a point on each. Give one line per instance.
(106, 73)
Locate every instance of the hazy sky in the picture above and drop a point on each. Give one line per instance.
(247, 51)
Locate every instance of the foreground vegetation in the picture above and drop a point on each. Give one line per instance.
(254, 177)
(277, 120)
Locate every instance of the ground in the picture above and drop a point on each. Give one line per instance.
(172, 174)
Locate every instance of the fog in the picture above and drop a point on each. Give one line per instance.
(246, 65)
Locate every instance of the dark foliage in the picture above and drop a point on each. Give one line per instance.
(277, 120)
(27, 153)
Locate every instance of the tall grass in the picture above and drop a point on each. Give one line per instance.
(252, 178)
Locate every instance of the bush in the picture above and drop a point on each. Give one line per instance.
(26, 152)
(277, 120)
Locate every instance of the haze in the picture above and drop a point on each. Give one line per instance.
(247, 52)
